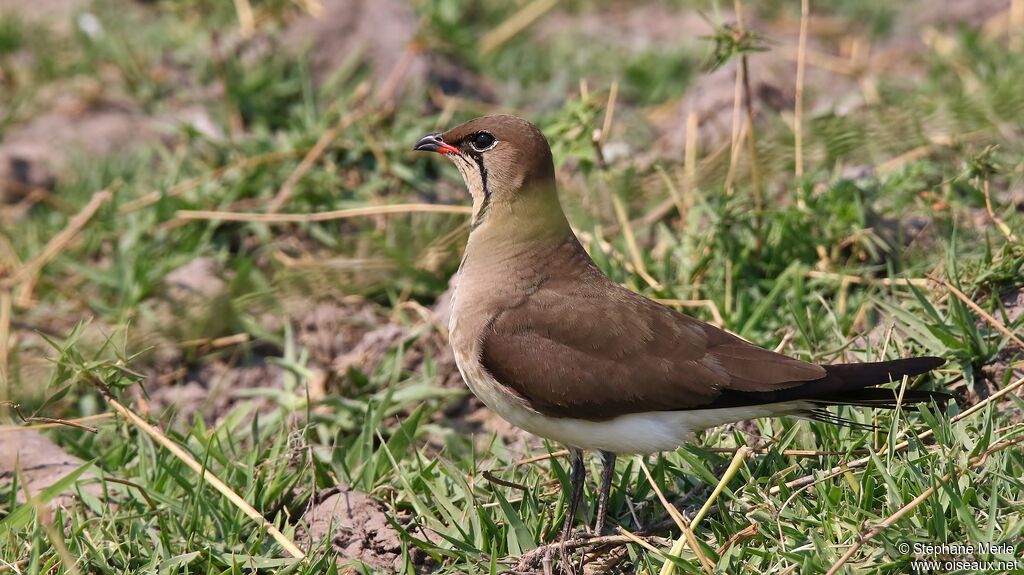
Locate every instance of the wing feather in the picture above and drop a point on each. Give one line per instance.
(595, 350)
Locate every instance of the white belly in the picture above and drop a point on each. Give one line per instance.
(647, 432)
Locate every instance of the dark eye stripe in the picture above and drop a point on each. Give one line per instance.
(486, 203)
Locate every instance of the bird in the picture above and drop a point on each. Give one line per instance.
(554, 346)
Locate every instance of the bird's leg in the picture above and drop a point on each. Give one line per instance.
(608, 458)
(577, 475)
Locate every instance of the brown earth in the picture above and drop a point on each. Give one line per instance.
(40, 463)
(358, 529)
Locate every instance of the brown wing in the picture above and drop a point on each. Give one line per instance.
(595, 350)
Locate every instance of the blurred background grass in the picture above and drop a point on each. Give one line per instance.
(305, 363)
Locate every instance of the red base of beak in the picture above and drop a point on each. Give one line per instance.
(434, 143)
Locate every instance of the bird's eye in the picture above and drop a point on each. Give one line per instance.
(482, 141)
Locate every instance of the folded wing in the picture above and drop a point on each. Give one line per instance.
(595, 350)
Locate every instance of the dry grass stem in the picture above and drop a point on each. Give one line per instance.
(798, 107)
(998, 325)
(209, 477)
(609, 111)
(246, 18)
(674, 194)
(741, 455)
(738, 537)
(690, 166)
(322, 216)
(284, 194)
(716, 315)
(545, 457)
(631, 245)
(217, 342)
(600, 135)
(787, 452)
(45, 518)
(1015, 26)
(738, 132)
(515, 24)
(802, 481)
(851, 279)
(684, 526)
(903, 511)
(639, 541)
(5, 337)
(992, 214)
(755, 163)
(532, 557)
(194, 183)
(28, 271)
(78, 422)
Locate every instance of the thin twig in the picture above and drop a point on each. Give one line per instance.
(798, 107)
(321, 216)
(515, 24)
(600, 136)
(504, 482)
(741, 455)
(312, 156)
(846, 278)
(716, 315)
(901, 445)
(681, 522)
(246, 19)
(984, 314)
(5, 336)
(903, 511)
(992, 214)
(741, 535)
(639, 541)
(631, 245)
(534, 555)
(45, 517)
(785, 452)
(15, 566)
(739, 130)
(677, 198)
(31, 268)
(142, 490)
(61, 423)
(206, 344)
(755, 162)
(609, 111)
(536, 458)
(218, 173)
(1015, 25)
(209, 477)
(77, 422)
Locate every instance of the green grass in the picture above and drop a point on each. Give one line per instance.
(388, 432)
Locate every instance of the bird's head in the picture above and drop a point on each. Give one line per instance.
(504, 160)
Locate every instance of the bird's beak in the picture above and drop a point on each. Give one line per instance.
(434, 143)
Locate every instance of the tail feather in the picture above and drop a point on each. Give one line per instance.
(849, 384)
(881, 398)
(852, 383)
(859, 375)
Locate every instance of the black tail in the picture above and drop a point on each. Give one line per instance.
(852, 384)
(868, 374)
(848, 384)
